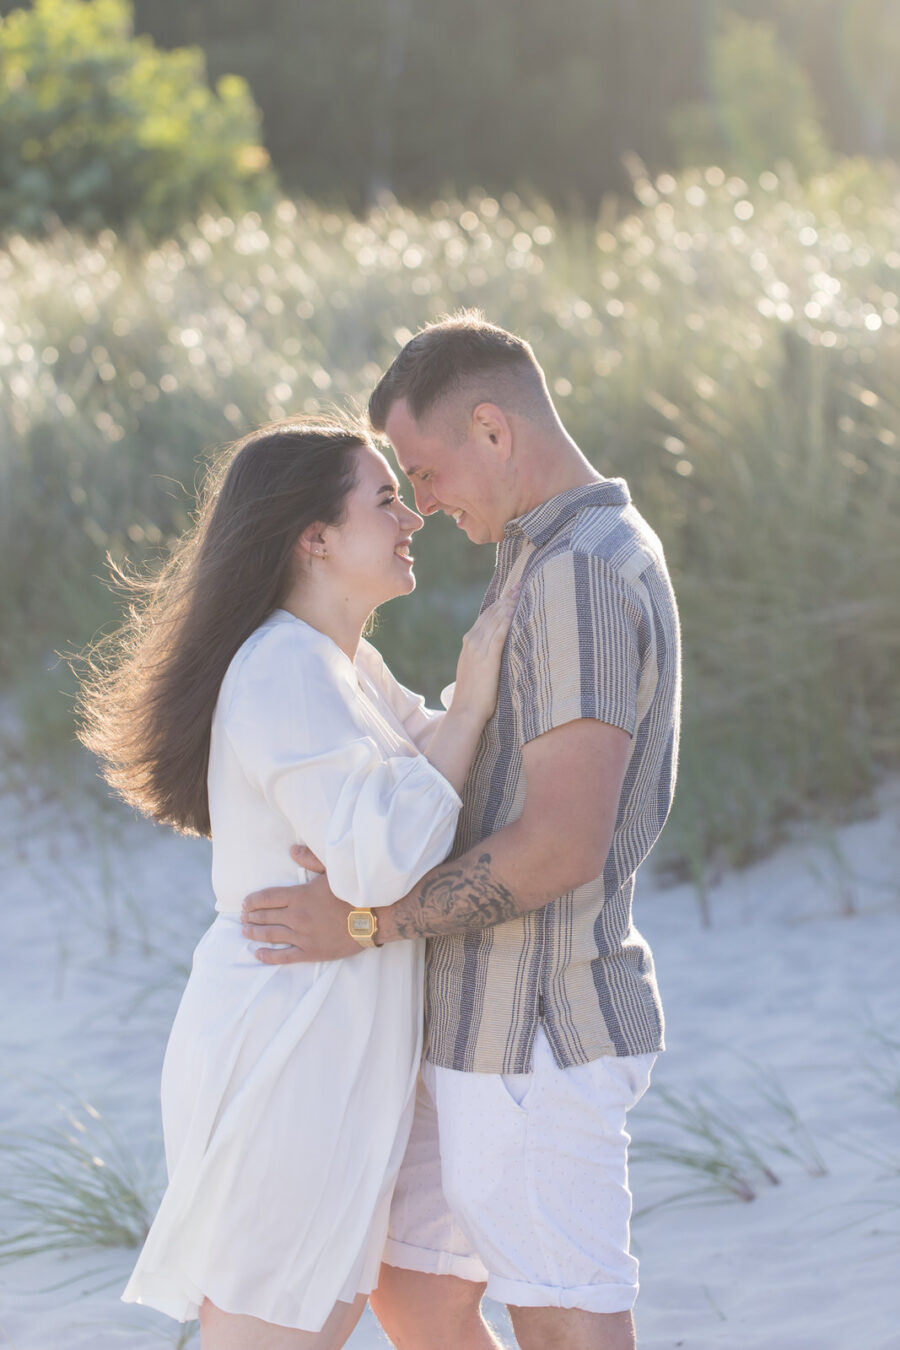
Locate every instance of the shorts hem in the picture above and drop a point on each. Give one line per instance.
(595, 1298)
(408, 1257)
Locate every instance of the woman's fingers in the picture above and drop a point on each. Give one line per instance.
(505, 609)
(304, 857)
(495, 620)
(479, 661)
(505, 602)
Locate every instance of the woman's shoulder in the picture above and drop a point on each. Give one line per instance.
(282, 652)
(405, 703)
(371, 664)
(370, 660)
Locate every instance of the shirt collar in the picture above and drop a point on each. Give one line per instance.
(543, 522)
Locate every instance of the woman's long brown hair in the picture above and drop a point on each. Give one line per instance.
(148, 698)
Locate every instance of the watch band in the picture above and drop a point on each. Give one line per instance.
(362, 925)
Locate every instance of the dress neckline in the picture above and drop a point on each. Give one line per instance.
(281, 614)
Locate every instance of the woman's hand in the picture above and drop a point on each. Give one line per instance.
(478, 669)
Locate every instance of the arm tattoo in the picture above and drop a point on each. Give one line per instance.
(455, 899)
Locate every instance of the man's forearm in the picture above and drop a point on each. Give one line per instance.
(499, 879)
(560, 842)
(460, 895)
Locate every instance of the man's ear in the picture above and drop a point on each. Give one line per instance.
(491, 429)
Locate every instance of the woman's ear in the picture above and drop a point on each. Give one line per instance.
(311, 544)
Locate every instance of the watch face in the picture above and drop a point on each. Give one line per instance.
(362, 925)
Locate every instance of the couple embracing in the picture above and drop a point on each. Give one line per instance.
(479, 860)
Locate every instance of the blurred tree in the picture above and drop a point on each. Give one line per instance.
(850, 50)
(870, 42)
(357, 95)
(98, 127)
(761, 107)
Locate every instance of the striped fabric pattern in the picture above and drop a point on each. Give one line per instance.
(595, 634)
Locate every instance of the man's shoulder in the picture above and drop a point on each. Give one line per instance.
(614, 540)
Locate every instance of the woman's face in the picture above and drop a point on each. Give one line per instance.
(368, 555)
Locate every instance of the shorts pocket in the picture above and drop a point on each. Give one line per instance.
(631, 1076)
(517, 1088)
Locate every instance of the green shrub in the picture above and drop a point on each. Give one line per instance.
(98, 127)
(761, 107)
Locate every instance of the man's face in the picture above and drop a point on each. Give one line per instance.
(459, 479)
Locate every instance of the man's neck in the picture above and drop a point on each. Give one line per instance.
(549, 467)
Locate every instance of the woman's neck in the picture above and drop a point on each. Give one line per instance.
(341, 621)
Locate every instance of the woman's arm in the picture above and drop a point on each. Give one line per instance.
(449, 740)
(452, 747)
(293, 719)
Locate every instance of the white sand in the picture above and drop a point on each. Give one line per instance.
(100, 914)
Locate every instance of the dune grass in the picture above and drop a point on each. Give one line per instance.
(727, 1152)
(730, 348)
(882, 1062)
(72, 1186)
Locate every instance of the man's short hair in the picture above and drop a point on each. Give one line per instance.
(447, 355)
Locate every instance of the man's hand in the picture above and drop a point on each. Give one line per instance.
(309, 916)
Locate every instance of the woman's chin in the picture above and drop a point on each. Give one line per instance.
(399, 588)
(407, 585)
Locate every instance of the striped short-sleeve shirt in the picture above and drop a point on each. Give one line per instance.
(595, 634)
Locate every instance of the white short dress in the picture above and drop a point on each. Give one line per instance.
(287, 1091)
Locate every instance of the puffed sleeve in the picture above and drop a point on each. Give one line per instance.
(294, 720)
(419, 722)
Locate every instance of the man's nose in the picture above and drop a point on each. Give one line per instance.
(424, 500)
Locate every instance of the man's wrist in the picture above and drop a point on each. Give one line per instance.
(387, 926)
(379, 937)
(362, 926)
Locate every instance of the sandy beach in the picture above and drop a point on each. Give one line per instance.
(784, 1047)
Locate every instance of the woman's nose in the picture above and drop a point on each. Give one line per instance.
(414, 520)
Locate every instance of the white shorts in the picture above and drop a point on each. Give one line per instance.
(521, 1181)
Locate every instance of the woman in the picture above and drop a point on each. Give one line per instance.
(244, 703)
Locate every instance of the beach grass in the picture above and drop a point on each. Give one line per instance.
(71, 1186)
(729, 347)
(791, 1136)
(727, 1152)
(164, 1333)
(882, 1062)
(703, 1139)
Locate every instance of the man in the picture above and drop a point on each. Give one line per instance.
(542, 1013)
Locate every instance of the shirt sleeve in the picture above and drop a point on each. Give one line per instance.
(295, 723)
(419, 722)
(575, 648)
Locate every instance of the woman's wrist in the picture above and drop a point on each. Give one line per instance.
(466, 716)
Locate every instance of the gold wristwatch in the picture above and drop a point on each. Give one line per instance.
(362, 925)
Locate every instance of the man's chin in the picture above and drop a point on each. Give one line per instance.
(478, 535)
(474, 532)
